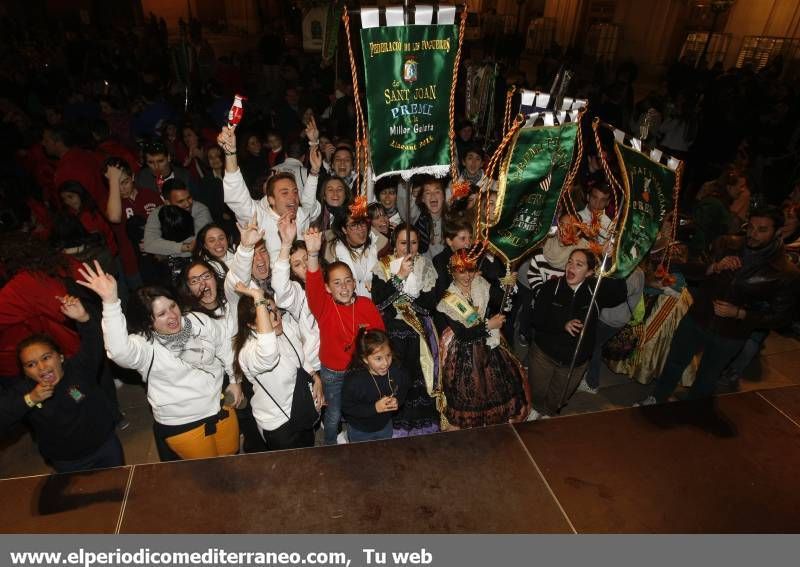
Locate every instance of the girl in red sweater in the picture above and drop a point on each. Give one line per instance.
(340, 314)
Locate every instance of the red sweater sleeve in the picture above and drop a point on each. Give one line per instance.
(315, 293)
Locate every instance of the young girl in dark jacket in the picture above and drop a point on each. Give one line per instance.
(558, 317)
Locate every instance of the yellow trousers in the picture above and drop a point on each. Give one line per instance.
(195, 444)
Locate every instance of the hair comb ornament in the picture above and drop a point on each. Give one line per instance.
(460, 190)
(463, 261)
(358, 209)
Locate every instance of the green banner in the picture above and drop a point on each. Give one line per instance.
(649, 187)
(408, 71)
(330, 38)
(529, 186)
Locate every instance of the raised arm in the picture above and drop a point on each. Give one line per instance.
(265, 356)
(237, 197)
(287, 295)
(241, 268)
(128, 351)
(114, 203)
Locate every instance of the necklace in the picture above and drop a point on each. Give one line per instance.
(348, 346)
(392, 388)
(467, 294)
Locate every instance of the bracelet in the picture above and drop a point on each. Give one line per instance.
(312, 172)
(313, 254)
(29, 401)
(310, 143)
(227, 153)
(261, 302)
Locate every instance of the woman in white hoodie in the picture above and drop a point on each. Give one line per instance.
(181, 357)
(269, 353)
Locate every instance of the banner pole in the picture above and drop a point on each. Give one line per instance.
(589, 312)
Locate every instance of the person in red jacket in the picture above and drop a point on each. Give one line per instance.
(340, 314)
(34, 275)
(107, 147)
(75, 164)
(79, 202)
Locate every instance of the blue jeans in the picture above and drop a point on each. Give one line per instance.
(332, 381)
(690, 338)
(109, 454)
(354, 435)
(749, 351)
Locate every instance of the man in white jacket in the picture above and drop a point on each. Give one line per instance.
(282, 196)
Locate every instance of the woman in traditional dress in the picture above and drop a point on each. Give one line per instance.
(404, 290)
(482, 381)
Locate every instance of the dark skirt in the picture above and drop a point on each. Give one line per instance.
(482, 386)
(418, 414)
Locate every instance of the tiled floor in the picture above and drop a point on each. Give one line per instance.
(777, 366)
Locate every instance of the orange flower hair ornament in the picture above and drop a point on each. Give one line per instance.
(358, 209)
(462, 261)
(568, 231)
(460, 190)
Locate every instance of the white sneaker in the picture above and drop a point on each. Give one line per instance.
(534, 415)
(585, 387)
(648, 401)
(341, 439)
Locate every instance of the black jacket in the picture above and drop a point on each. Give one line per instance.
(77, 419)
(360, 391)
(766, 290)
(557, 304)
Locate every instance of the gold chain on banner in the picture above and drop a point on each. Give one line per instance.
(676, 191)
(507, 113)
(453, 154)
(482, 216)
(361, 138)
(616, 187)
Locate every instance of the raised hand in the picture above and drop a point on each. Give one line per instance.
(312, 133)
(406, 267)
(313, 238)
(113, 173)
(254, 292)
(250, 235)
(227, 139)
(72, 307)
(287, 229)
(98, 281)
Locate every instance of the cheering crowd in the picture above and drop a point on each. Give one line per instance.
(237, 275)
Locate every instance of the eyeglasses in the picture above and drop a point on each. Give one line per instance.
(204, 277)
(357, 225)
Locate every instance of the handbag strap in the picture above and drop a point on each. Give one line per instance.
(267, 391)
(270, 397)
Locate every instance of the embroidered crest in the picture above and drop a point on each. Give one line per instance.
(410, 70)
(76, 394)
